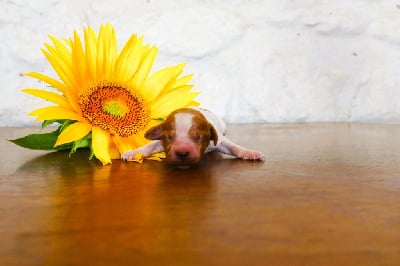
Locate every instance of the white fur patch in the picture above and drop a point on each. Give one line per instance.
(183, 123)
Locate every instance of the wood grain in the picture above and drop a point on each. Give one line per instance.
(328, 194)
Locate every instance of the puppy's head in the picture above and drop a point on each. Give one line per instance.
(185, 135)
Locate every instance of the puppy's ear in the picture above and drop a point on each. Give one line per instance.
(214, 135)
(153, 133)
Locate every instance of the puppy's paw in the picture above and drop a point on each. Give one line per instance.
(129, 155)
(252, 155)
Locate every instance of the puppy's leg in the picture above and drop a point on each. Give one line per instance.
(228, 147)
(147, 150)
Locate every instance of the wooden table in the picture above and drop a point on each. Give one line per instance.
(328, 194)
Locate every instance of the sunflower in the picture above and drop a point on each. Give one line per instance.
(108, 94)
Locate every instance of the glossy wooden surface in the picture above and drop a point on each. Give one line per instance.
(328, 194)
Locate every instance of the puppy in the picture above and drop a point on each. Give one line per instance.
(187, 134)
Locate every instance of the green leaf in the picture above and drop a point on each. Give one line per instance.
(49, 122)
(82, 143)
(42, 141)
(65, 124)
(91, 156)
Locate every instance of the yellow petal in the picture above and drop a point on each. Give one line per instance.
(60, 48)
(61, 69)
(111, 52)
(129, 58)
(49, 96)
(59, 86)
(178, 98)
(60, 58)
(79, 62)
(55, 112)
(139, 140)
(124, 144)
(114, 152)
(193, 103)
(145, 68)
(52, 82)
(73, 132)
(138, 157)
(103, 58)
(156, 156)
(91, 52)
(159, 81)
(131, 142)
(101, 145)
(181, 82)
(134, 141)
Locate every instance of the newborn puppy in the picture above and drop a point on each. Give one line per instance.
(187, 134)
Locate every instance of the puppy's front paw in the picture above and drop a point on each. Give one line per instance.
(252, 155)
(129, 155)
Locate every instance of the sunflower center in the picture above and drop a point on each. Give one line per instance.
(114, 107)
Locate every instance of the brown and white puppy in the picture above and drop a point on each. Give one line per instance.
(187, 134)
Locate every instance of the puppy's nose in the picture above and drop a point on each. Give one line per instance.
(182, 155)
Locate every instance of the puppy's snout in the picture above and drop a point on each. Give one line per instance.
(183, 152)
(182, 155)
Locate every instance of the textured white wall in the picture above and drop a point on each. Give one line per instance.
(254, 61)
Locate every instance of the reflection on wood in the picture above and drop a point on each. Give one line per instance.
(328, 194)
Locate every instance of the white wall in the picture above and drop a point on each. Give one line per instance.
(254, 61)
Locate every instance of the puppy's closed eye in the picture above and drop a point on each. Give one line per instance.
(198, 137)
(201, 138)
(168, 137)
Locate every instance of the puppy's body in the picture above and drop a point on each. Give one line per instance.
(187, 134)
